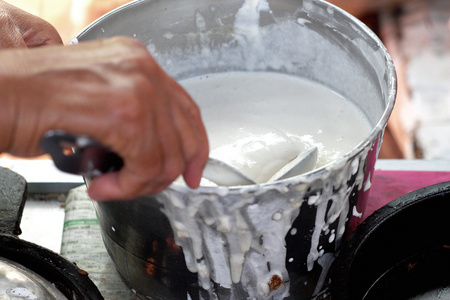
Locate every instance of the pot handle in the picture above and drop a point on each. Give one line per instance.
(80, 154)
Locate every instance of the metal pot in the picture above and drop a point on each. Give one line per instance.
(269, 241)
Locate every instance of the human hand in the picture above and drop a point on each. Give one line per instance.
(113, 91)
(20, 29)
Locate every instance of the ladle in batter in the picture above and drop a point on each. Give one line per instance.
(98, 160)
(224, 174)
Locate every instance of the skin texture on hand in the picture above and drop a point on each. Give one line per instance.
(113, 91)
(19, 29)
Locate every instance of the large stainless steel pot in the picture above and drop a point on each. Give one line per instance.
(269, 241)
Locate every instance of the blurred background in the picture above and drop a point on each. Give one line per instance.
(416, 33)
(68, 16)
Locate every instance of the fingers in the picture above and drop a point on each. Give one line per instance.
(10, 36)
(123, 185)
(173, 143)
(39, 33)
(21, 29)
(194, 169)
(194, 143)
(179, 147)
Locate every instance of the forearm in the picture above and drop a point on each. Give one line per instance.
(52, 88)
(20, 103)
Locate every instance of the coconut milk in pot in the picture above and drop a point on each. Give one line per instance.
(258, 122)
(269, 240)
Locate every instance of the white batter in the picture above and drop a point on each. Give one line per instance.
(258, 122)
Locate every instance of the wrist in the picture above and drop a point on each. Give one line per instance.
(19, 91)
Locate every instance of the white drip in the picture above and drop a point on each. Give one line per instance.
(234, 238)
(237, 242)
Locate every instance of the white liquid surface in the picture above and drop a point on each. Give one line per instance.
(258, 122)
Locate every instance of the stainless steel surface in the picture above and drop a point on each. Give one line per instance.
(18, 282)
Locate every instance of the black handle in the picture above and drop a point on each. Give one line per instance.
(80, 154)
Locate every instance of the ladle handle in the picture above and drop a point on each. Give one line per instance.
(80, 154)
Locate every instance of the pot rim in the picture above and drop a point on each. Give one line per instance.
(334, 165)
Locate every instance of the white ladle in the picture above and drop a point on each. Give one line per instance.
(223, 174)
(304, 162)
(92, 159)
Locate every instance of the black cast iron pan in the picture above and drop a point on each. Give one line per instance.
(402, 251)
(71, 281)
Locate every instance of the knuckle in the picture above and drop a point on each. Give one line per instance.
(129, 42)
(134, 54)
(131, 104)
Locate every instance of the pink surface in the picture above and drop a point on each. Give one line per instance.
(389, 185)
